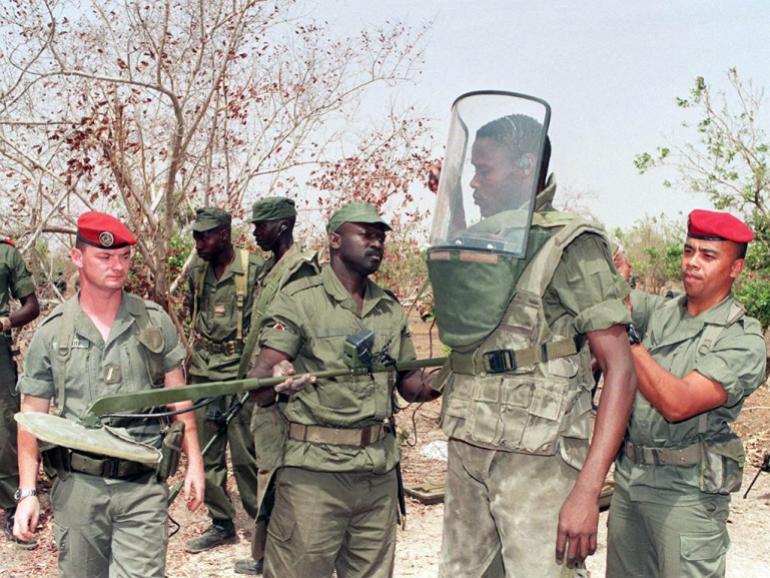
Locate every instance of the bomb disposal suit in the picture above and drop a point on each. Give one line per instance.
(516, 287)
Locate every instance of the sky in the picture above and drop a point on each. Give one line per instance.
(609, 69)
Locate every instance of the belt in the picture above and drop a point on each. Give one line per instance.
(357, 437)
(230, 347)
(687, 456)
(502, 360)
(102, 467)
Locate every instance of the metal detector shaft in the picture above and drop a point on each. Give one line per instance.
(110, 404)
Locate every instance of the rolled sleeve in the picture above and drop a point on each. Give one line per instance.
(282, 329)
(406, 351)
(174, 354)
(737, 363)
(588, 287)
(37, 380)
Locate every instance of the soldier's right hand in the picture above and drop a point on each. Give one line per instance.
(26, 517)
(292, 384)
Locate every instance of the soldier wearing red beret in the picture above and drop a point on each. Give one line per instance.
(697, 358)
(110, 513)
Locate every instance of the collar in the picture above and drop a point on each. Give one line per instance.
(373, 293)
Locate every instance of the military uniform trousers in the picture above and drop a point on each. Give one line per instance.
(325, 521)
(659, 540)
(9, 405)
(511, 501)
(115, 528)
(241, 442)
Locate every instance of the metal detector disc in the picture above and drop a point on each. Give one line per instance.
(70, 434)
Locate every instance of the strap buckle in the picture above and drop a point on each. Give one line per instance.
(499, 361)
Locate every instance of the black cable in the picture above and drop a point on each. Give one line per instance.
(198, 404)
(177, 524)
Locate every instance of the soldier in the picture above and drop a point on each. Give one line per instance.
(519, 305)
(273, 219)
(699, 358)
(221, 284)
(16, 282)
(336, 488)
(110, 514)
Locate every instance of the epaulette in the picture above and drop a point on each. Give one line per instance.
(7, 240)
(57, 312)
(389, 292)
(303, 284)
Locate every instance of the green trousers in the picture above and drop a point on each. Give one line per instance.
(9, 405)
(324, 521)
(501, 513)
(241, 442)
(110, 528)
(657, 540)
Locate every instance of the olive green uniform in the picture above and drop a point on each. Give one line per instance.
(674, 514)
(16, 282)
(105, 525)
(518, 438)
(219, 313)
(336, 492)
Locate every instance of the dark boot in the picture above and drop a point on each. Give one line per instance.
(8, 530)
(219, 533)
(248, 566)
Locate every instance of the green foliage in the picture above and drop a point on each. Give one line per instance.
(754, 294)
(653, 245)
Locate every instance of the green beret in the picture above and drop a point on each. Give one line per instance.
(355, 213)
(272, 208)
(208, 218)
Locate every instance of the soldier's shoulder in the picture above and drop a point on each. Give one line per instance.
(751, 326)
(302, 285)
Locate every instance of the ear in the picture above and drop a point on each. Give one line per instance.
(527, 164)
(335, 240)
(76, 256)
(736, 268)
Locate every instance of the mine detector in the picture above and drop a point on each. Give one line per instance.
(93, 434)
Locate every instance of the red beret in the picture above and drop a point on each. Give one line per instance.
(716, 226)
(103, 231)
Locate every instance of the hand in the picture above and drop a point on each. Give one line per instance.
(291, 384)
(622, 264)
(194, 485)
(578, 523)
(25, 519)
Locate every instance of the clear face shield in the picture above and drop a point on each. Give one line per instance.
(490, 174)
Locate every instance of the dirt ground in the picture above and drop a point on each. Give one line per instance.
(419, 543)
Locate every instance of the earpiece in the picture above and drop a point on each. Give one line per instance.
(283, 228)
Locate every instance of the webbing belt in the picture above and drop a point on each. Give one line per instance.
(502, 360)
(641, 455)
(230, 347)
(104, 467)
(358, 437)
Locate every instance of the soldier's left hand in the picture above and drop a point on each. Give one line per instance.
(578, 523)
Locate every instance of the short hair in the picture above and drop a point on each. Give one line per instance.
(521, 134)
(742, 248)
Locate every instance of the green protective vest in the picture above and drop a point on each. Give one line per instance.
(148, 352)
(541, 407)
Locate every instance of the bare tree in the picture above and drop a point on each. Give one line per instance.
(148, 109)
